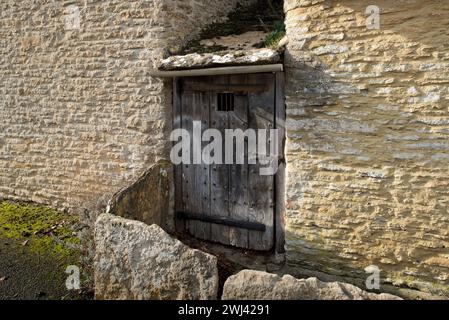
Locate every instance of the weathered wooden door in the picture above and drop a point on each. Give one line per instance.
(232, 204)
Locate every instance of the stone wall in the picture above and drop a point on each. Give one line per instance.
(148, 199)
(81, 118)
(367, 120)
(368, 140)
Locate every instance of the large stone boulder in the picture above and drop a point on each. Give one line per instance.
(257, 285)
(141, 262)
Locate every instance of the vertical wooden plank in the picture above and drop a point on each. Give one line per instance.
(201, 189)
(206, 183)
(188, 170)
(280, 175)
(238, 178)
(261, 188)
(177, 124)
(219, 173)
(194, 187)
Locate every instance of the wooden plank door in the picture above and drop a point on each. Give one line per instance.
(227, 203)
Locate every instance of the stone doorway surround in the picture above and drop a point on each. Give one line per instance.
(239, 62)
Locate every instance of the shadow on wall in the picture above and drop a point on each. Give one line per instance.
(408, 29)
(367, 146)
(408, 19)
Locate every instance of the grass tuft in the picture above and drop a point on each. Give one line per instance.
(272, 40)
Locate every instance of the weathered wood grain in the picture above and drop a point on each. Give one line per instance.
(280, 175)
(238, 177)
(219, 173)
(261, 188)
(180, 225)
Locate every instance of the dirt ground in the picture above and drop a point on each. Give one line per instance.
(25, 275)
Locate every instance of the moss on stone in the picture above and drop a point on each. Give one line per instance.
(48, 231)
(195, 46)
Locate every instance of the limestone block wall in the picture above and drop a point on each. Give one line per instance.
(368, 140)
(80, 116)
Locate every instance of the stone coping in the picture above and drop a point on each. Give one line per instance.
(220, 59)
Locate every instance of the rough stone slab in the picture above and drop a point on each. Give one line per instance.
(147, 199)
(209, 60)
(258, 285)
(140, 262)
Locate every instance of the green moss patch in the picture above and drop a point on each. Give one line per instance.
(43, 230)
